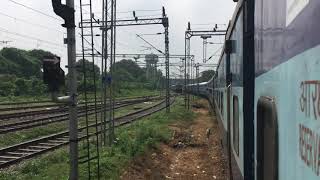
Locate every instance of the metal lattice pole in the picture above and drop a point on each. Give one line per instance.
(186, 50)
(188, 70)
(103, 75)
(167, 62)
(112, 19)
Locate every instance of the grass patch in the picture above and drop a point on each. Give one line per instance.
(132, 140)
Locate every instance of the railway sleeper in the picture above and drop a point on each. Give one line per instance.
(29, 150)
(49, 144)
(39, 147)
(8, 157)
(57, 141)
(64, 138)
(21, 154)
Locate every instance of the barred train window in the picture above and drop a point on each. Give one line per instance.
(235, 127)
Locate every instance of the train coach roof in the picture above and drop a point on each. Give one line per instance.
(231, 26)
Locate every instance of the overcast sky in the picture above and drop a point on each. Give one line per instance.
(28, 29)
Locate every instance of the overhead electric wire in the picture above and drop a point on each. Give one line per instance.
(214, 54)
(204, 24)
(35, 10)
(27, 41)
(31, 23)
(142, 16)
(122, 43)
(29, 37)
(141, 10)
(150, 44)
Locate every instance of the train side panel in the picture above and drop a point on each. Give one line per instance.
(287, 91)
(236, 99)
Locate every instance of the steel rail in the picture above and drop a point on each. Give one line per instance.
(39, 105)
(17, 153)
(23, 125)
(6, 116)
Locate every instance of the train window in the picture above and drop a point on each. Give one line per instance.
(235, 127)
(221, 104)
(267, 139)
(219, 100)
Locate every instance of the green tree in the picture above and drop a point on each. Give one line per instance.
(90, 71)
(22, 87)
(37, 86)
(131, 67)
(39, 54)
(7, 88)
(26, 65)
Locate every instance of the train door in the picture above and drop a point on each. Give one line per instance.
(228, 51)
(267, 140)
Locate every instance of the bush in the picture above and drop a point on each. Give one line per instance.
(7, 88)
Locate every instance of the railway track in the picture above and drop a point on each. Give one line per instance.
(26, 105)
(41, 121)
(17, 153)
(59, 109)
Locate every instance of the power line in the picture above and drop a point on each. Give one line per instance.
(215, 53)
(27, 41)
(35, 10)
(150, 44)
(153, 15)
(29, 37)
(28, 22)
(204, 24)
(141, 10)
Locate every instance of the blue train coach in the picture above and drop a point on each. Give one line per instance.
(266, 92)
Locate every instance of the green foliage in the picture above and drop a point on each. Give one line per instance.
(6, 88)
(90, 70)
(131, 68)
(24, 69)
(26, 65)
(86, 77)
(132, 141)
(7, 66)
(20, 72)
(39, 54)
(128, 72)
(139, 138)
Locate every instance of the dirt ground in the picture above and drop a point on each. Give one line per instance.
(190, 155)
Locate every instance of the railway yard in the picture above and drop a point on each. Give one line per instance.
(159, 90)
(21, 122)
(187, 139)
(95, 105)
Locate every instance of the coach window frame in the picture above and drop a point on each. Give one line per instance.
(235, 124)
(267, 122)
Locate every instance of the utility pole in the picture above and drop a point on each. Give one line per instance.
(197, 66)
(166, 32)
(205, 46)
(67, 12)
(110, 25)
(73, 121)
